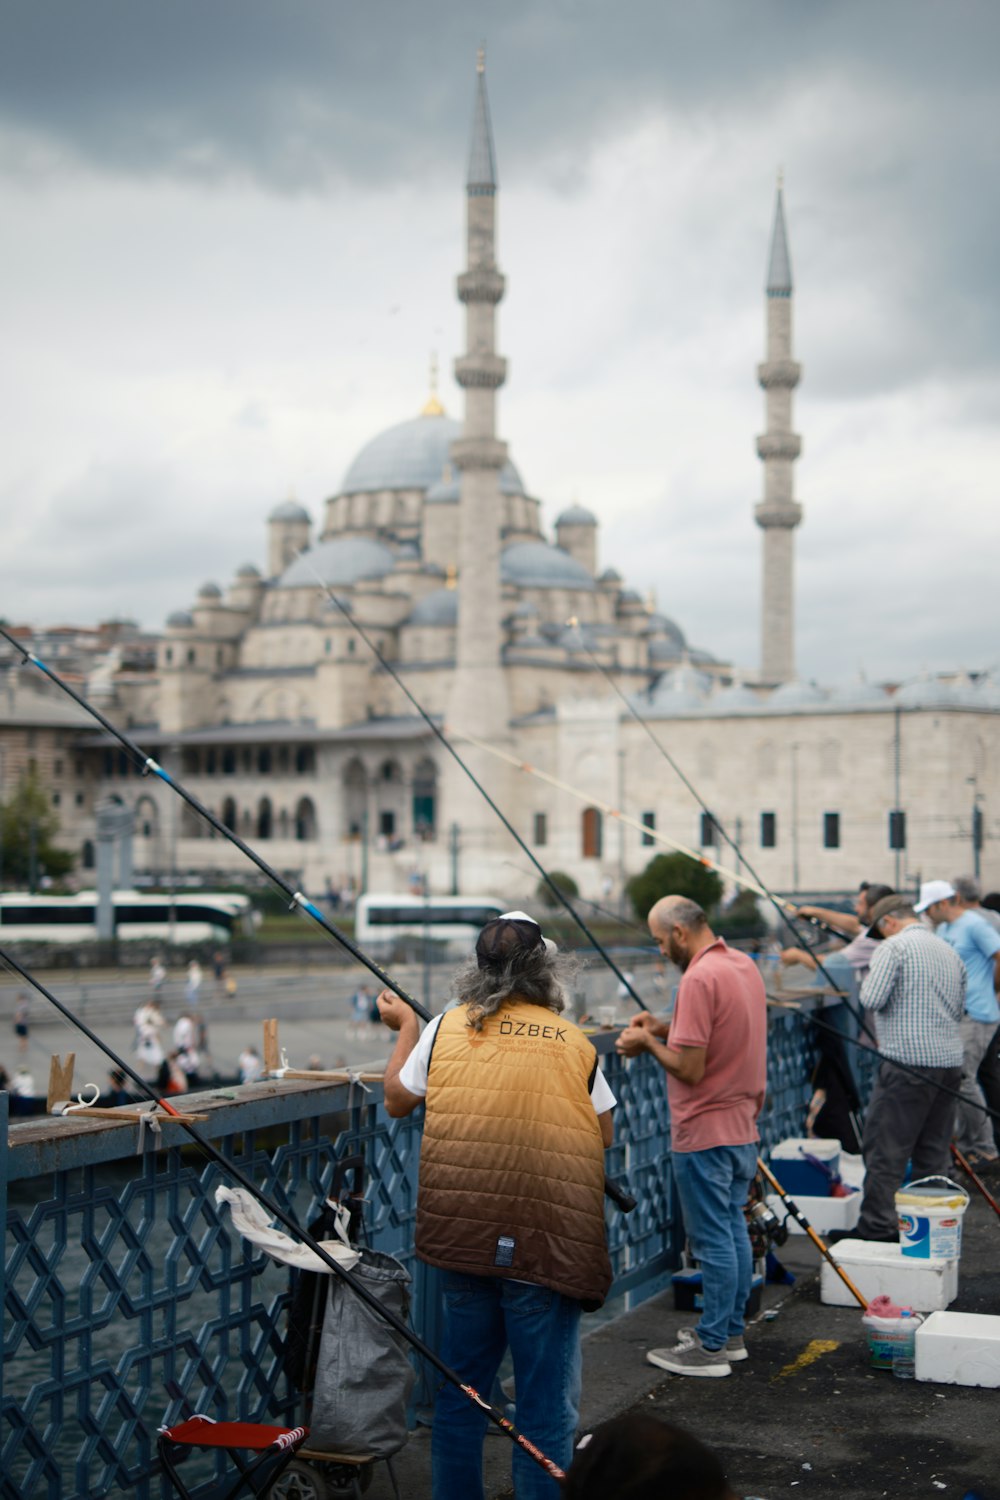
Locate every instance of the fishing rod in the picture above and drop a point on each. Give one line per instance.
(613, 1189)
(856, 1011)
(150, 767)
(605, 807)
(603, 911)
(445, 742)
(230, 1168)
(783, 907)
(806, 1227)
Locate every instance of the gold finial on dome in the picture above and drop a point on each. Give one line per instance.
(451, 576)
(432, 406)
(481, 59)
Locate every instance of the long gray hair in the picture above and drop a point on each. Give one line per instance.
(535, 975)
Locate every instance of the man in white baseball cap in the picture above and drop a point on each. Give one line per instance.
(978, 946)
(933, 891)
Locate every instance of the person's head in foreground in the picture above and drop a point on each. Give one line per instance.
(513, 961)
(639, 1458)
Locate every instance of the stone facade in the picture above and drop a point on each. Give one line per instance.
(268, 703)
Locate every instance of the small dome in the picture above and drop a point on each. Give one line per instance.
(858, 694)
(412, 456)
(180, 619)
(289, 510)
(663, 625)
(536, 565)
(577, 515)
(610, 575)
(629, 596)
(344, 560)
(737, 698)
(665, 648)
(210, 591)
(701, 658)
(678, 692)
(248, 571)
(922, 692)
(796, 694)
(437, 608)
(407, 551)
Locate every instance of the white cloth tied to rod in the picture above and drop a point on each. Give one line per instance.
(250, 1220)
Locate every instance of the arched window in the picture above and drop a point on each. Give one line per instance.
(229, 813)
(305, 760)
(592, 830)
(305, 820)
(264, 818)
(87, 855)
(229, 762)
(264, 760)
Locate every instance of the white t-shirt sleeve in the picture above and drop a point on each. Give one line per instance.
(601, 1095)
(413, 1073)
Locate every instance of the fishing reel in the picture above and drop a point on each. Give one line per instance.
(766, 1230)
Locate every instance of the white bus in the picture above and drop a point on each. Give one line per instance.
(188, 917)
(455, 920)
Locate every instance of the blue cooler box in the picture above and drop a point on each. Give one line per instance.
(797, 1175)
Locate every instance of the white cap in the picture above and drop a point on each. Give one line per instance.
(522, 916)
(934, 890)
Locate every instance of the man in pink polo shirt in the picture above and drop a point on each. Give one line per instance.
(714, 1053)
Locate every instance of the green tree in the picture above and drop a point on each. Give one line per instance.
(566, 883)
(674, 875)
(28, 826)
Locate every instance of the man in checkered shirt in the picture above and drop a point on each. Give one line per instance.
(916, 991)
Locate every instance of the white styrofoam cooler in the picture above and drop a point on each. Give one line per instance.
(959, 1349)
(824, 1214)
(877, 1270)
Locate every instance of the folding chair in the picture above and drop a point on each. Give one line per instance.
(275, 1448)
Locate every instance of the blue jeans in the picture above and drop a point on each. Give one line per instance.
(713, 1187)
(483, 1315)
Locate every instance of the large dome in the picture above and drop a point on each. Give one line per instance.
(345, 559)
(412, 456)
(536, 565)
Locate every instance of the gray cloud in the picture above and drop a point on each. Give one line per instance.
(232, 228)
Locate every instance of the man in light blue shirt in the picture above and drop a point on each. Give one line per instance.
(978, 946)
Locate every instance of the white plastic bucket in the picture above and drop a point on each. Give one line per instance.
(930, 1218)
(890, 1339)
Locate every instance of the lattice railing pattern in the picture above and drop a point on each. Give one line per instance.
(131, 1302)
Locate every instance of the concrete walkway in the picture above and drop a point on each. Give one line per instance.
(805, 1413)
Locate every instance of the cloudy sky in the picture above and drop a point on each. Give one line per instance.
(231, 230)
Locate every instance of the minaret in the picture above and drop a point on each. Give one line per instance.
(778, 514)
(478, 699)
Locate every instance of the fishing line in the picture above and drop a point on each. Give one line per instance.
(858, 1013)
(231, 1169)
(148, 767)
(443, 739)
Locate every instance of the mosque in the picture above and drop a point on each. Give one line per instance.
(277, 713)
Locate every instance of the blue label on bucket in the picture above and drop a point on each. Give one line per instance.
(934, 1235)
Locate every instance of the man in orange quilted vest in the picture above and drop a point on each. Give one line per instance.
(510, 1203)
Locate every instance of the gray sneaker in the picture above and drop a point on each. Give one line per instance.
(692, 1359)
(736, 1349)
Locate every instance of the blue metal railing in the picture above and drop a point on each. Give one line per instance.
(130, 1301)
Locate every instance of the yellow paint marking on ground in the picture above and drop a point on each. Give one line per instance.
(813, 1351)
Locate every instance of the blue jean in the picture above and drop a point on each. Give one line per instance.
(483, 1315)
(713, 1187)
